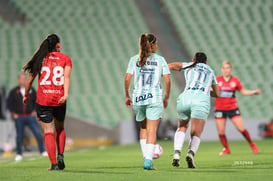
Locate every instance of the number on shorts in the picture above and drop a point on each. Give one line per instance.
(58, 72)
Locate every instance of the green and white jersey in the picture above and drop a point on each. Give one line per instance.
(147, 79)
(199, 79)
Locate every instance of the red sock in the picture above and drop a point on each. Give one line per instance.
(50, 147)
(223, 140)
(60, 139)
(247, 136)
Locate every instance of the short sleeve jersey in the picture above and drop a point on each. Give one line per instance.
(199, 79)
(227, 99)
(51, 79)
(147, 79)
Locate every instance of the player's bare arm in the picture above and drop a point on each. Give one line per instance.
(28, 87)
(215, 92)
(67, 72)
(175, 66)
(127, 82)
(246, 92)
(167, 89)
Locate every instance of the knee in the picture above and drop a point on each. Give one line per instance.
(222, 131)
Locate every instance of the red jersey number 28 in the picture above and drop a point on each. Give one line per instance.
(57, 78)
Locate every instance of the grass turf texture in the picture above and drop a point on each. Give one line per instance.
(125, 163)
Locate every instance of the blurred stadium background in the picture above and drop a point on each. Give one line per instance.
(101, 35)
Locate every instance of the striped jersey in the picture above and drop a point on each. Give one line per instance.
(199, 79)
(227, 99)
(147, 79)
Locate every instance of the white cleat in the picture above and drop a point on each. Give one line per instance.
(18, 158)
(176, 160)
(44, 154)
(190, 161)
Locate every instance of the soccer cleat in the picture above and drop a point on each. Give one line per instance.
(254, 148)
(190, 161)
(176, 159)
(18, 158)
(225, 151)
(60, 160)
(53, 167)
(148, 165)
(44, 154)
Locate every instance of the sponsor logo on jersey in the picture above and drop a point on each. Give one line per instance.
(232, 84)
(151, 63)
(48, 91)
(146, 70)
(227, 94)
(148, 63)
(196, 88)
(144, 97)
(53, 58)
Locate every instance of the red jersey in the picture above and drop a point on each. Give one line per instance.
(51, 79)
(227, 100)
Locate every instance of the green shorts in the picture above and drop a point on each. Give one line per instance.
(189, 106)
(150, 111)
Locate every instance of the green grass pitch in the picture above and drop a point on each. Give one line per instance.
(125, 163)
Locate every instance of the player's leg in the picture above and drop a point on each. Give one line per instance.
(220, 120)
(153, 114)
(140, 112)
(59, 117)
(152, 126)
(197, 126)
(238, 123)
(143, 136)
(45, 115)
(200, 107)
(19, 126)
(179, 138)
(34, 127)
(184, 112)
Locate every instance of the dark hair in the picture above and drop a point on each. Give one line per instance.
(145, 42)
(48, 45)
(199, 57)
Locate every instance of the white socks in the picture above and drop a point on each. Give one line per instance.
(143, 146)
(147, 149)
(194, 144)
(179, 138)
(150, 149)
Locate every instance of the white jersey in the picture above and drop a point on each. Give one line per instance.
(147, 79)
(199, 79)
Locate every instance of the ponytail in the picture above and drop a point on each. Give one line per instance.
(144, 50)
(48, 45)
(199, 57)
(145, 47)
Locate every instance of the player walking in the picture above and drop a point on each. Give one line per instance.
(193, 104)
(226, 107)
(53, 69)
(147, 68)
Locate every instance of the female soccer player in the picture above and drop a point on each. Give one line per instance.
(147, 68)
(53, 69)
(226, 107)
(193, 104)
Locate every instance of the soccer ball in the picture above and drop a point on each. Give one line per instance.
(158, 151)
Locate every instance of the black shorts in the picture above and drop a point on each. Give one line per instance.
(47, 113)
(223, 115)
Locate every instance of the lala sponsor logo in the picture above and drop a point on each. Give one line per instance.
(144, 97)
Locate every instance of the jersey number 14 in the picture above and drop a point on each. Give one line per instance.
(148, 81)
(57, 78)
